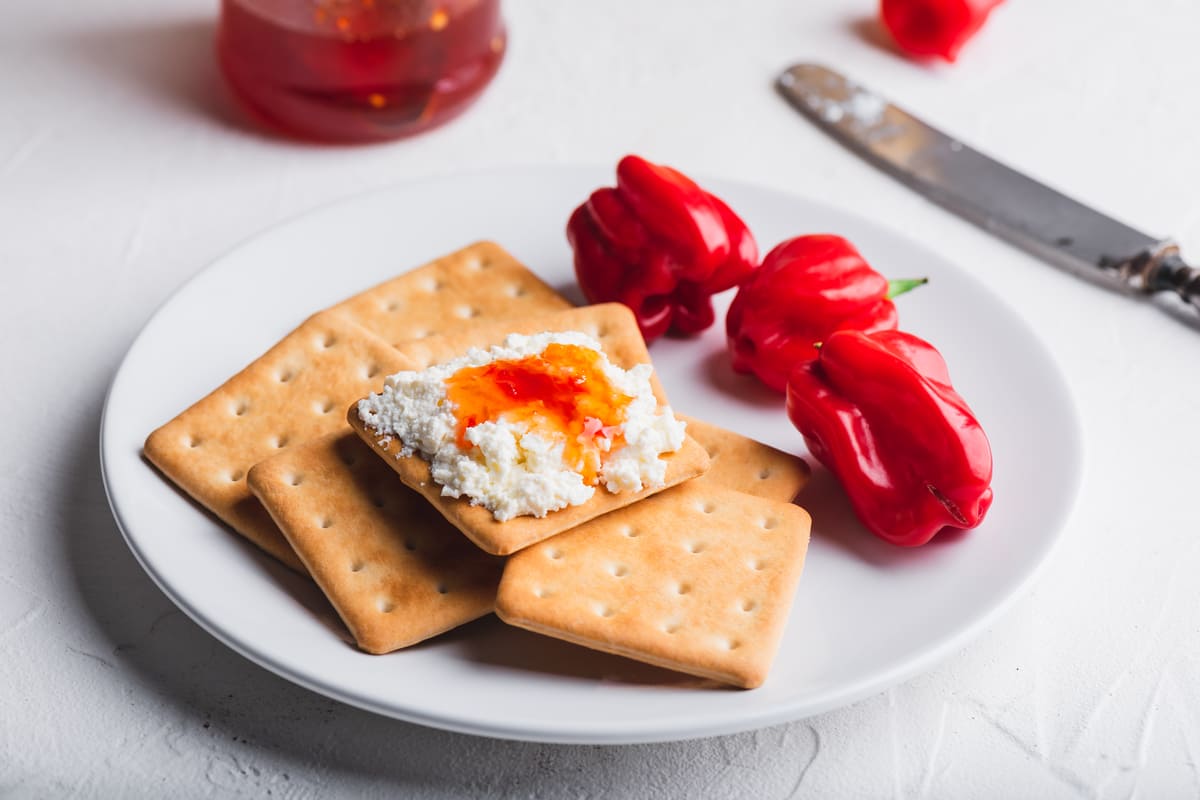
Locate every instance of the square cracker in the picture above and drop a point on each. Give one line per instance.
(479, 282)
(294, 392)
(697, 579)
(298, 389)
(394, 569)
(377, 549)
(740, 463)
(614, 326)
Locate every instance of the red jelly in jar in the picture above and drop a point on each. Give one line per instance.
(359, 70)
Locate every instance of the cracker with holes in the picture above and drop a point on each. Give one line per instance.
(479, 282)
(391, 565)
(296, 391)
(698, 579)
(558, 421)
(299, 389)
(739, 463)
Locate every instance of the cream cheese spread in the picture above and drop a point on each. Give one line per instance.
(514, 464)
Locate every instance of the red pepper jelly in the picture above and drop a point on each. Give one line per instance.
(561, 392)
(359, 70)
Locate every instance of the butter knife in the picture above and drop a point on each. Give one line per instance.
(1017, 208)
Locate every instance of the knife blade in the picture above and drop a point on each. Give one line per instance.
(998, 198)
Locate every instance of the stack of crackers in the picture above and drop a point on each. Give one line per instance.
(696, 576)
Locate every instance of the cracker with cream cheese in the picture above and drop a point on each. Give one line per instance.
(614, 327)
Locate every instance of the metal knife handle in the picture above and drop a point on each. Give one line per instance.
(1175, 275)
(1162, 270)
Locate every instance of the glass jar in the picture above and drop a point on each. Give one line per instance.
(359, 70)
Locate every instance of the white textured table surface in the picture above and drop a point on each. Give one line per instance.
(124, 170)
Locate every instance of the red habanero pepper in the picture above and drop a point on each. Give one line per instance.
(925, 28)
(806, 288)
(661, 245)
(879, 411)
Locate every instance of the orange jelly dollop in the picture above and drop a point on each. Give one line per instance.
(561, 393)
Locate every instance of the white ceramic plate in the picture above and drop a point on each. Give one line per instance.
(866, 616)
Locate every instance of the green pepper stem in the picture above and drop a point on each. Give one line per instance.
(899, 287)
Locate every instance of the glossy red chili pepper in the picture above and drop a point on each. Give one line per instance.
(940, 28)
(661, 245)
(806, 288)
(879, 411)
